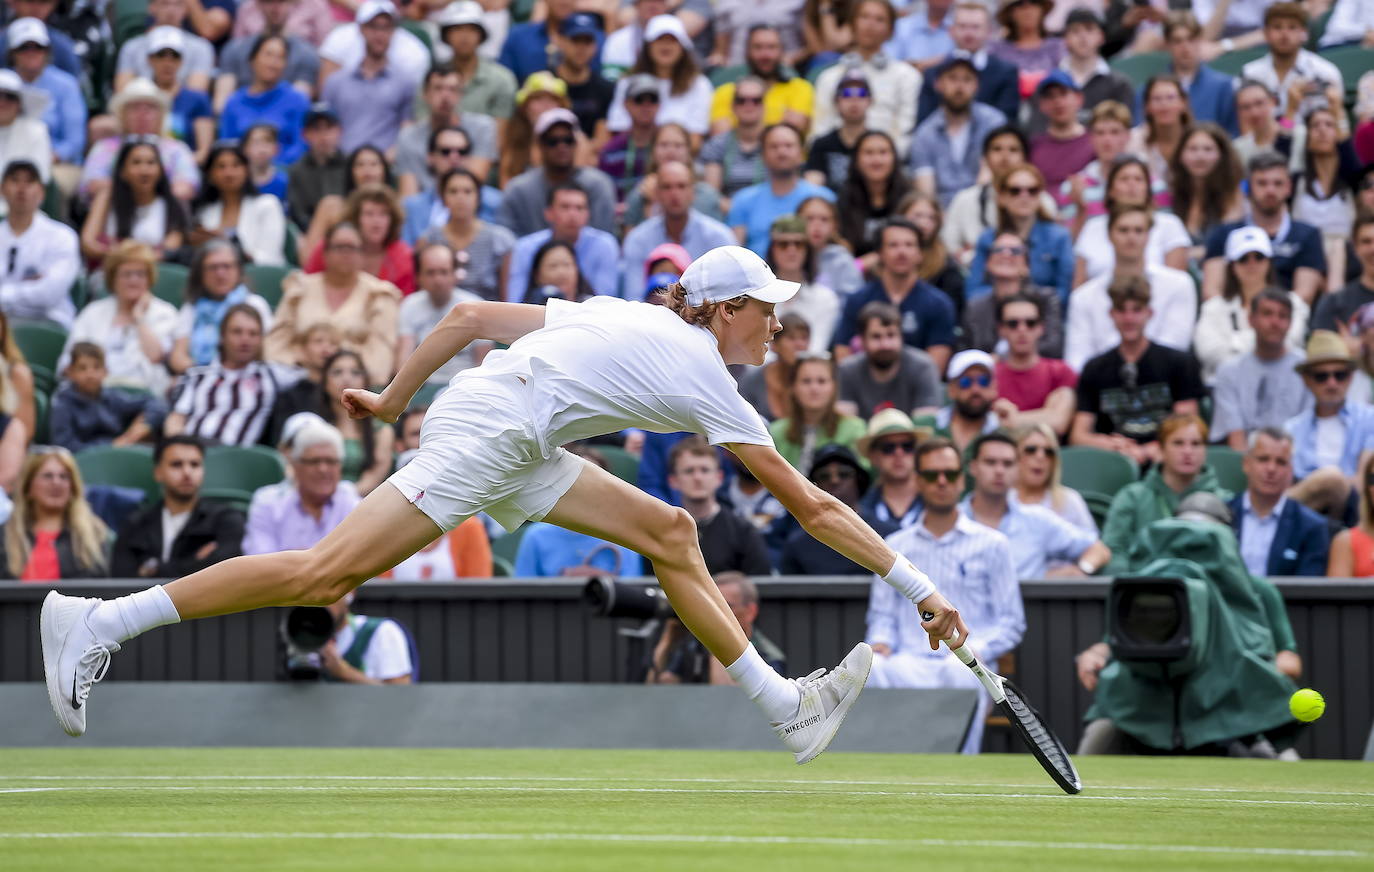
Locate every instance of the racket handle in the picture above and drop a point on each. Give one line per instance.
(990, 681)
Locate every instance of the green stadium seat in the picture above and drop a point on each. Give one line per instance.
(130, 466)
(501, 567)
(52, 201)
(265, 281)
(44, 379)
(40, 341)
(1139, 68)
(426, 394)
(80, 292)
(1098, 504)
(720, 75)
(129, 19)
(236, 497)
(504, 548)
(1231, 62)
(1226, 463)
(1353, 62)
(1094, 470)
(42, 407)
(171, 283)
(1317, 28)
(243, 468)
(624, 465)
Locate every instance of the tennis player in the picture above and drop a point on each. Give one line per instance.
(490, 442)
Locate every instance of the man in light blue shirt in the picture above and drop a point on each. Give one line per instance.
(567, 214)
(294, 516)
(947, 149)
(1333, 433)
(754, 208)
(1038, 537)
(922, 37)
(676, 222)
(65, 114)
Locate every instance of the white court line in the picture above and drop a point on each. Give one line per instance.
(676, 838)
(699, 790)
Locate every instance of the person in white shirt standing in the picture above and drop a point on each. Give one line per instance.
(39, 257)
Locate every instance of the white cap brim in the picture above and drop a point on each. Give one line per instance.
(776, 291)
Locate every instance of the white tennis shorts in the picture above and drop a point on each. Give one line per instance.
(480, 452)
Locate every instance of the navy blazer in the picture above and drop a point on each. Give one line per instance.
(999, 86)
(1300, 543)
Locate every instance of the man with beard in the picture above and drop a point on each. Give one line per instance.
(887, 372)
(946, 151)
(754, 208)
(972, 391)
(789, 97)
(836, 471)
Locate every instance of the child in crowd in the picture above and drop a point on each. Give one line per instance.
(85, 414)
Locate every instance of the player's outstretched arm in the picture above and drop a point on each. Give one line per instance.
(832, 522)
(465, 322)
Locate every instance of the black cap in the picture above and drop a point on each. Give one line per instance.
(840, 454)
(21, 163)
(1081, 15)
(956, 60)
(321, 111)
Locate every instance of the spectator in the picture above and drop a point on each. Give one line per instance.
(548, 550)
(1221, 335)
(527, 194)
(139, 205)
(874, 187)
(322, 171)
(425, 209)
(886, 372)
(1349, 24)
(191, 118)
(922, 39)
(180, 533)
(589, 92)
(937, 267)
(1335, 311)
(376, 214)
(1173, 292)
(541, 92)
(198, 61)
(945, 149)
(1032, 390)
(1206, 177)
(281, 519)
(1211, 95)
(998, 81)
(768, 387)
(753, 209)
(928, 320)
(481, 248)
(678, 658)
(786, 96)
(374, 650)
(838, 472)
(671, 143)
(555, 273)
(1332, 433)
(826, 30)
(684, 93)
(276, 18)
(1038, 480)
(733, 158)
(373, 98)
(972, 389)
(975, 562)
(268, 97)
(1021, 210)
(813, 421)
(1083, 39)
(890, 446)
(16, 402)
(375, 29)
(1038, 537)
(1066, 146)
(44, 255)
(1352, 549)
(64, 47)
(362, 306)
(678, 223)
(1008, 271)
(23, 135)
(213, 287)
(488, 87)
(1180, 469)
(1167, 115)
(1257, 109)
(85, 414)
(140, 111)
(310, 20)
(894, 85)
(365, 166)
(318, 344)
(1125, 393)
(1027, 44)
(975, 209)
(1325, 195)
(1277, 536)
(625, 157)
(52, 534)
(735, 26)
(1128, 186)
(729, 543)
(597, 254)
(1289, 70)
(827, 162)
(1299, 263)
(526, 50)
(435, 265)
(790, 256)
(30, 53)
(1260, 387)
(415, 157)
(367, 453)
(1084, 194)
(230, 207)
(835, 264)
(622, 44)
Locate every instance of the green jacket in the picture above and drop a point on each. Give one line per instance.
(1141, 503)
(847, 433)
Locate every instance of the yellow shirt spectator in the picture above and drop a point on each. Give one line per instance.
(795, 94)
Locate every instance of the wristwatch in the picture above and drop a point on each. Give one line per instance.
(1086, 566)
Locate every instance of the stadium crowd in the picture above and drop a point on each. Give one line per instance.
(1123, 247)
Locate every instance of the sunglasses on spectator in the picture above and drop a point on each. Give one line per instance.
(1326, 375)
(1023, 190)
(642, 99)
(1018, 323)
(967, 381)
(9, 96)
(789, 243)
(1251, 257)
(1032, 450)
(1013, 250)
(450, 151)
(747, 101)
(933, 475)
(905, 446)
(835, 474)
(854, 92)
(555, 141)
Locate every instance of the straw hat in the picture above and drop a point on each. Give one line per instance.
(1325, 346)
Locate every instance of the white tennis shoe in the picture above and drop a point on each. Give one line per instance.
(74, 658)
(825, 700)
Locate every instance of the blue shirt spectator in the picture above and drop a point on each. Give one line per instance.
(282, 106)
(1050, 256)
(1355, 426)
(934, 157)
(187, 107)
(699, 235)
(65, 116)
(927, 315)
(527, 48)
(1037, 536)
(1211, 97)
(653, 468)
(1292, 540)
(998, 86)
(756, 207)
(915, 39)
(549, 550)
(81, 420)
(598, 258)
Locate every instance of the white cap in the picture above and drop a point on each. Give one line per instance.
(729, 271)
(966, 360)
(166, 37)
(25, 30)
(664, 25)
(461, 12)
(1244, 240)
(10, 83)
(370, 9)
(557, 115)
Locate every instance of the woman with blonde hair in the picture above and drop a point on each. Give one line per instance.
(16, 380)
(52, 533)
(813, 417)
(1038, 477)
(1352, 551)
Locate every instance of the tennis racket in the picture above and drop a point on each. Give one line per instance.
(1023, 717)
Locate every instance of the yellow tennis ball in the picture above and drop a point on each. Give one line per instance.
(1306, 704)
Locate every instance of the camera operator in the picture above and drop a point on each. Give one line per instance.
(678, 658)
(365, 650)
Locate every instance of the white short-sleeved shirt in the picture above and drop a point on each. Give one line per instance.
(1166, 234)
(691, 109)
(606, 364)
(387, 655)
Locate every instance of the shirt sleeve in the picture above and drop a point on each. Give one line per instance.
(388, 653)
(1062, 540)
(723, 416)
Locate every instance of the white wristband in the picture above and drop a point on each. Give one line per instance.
(914, 584)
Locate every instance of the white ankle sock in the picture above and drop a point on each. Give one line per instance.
(778, 697)
(124, 618)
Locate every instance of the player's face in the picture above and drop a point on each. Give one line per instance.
(745, 337)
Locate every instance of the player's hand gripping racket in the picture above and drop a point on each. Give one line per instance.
(1023, 717)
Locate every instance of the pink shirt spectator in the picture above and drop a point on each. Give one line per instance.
(278, 522)
(1058, 159)
(177, 160)
(311, 20)
(1028, 388)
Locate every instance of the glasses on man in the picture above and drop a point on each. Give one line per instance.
(1018, 323)
(967, 381)
(905, 446)
(950, 476)
(1049, 451)
(741, 100)
(1323, 376)
(1023, 190)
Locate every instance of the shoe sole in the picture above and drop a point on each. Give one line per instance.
(836, 719)
(48, 635)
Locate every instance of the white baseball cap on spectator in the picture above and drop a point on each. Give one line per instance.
(164, 38)
(370, 9)
(549, 117)
(1245, 240)
(461, 12)
(730, 271)
(32, 101)
(967, 359)
(23, 31)
(667, 25)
